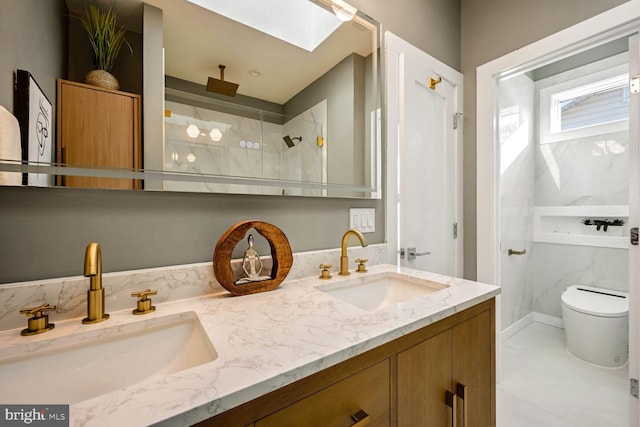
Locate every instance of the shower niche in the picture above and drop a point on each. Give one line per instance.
(600, 226)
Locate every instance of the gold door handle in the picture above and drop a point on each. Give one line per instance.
(461, 392)
(361, 419)
(451, 403)
(513, 252)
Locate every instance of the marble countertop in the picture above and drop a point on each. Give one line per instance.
(263, 342)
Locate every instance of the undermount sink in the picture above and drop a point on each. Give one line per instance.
(81, 366)
(382, 290)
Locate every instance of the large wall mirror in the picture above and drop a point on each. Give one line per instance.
(260, 97)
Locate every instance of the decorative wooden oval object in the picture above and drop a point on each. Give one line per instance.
(280, 253)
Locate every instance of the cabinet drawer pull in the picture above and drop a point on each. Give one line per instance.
(451, 403)
(361, 419)
(461, 390)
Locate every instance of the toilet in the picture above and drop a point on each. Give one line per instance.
(596, 323)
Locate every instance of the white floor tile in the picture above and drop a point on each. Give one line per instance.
(513, 411)
(540, 376)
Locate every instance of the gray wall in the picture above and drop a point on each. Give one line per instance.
(343, 88)
(38, 47)
(490, 29)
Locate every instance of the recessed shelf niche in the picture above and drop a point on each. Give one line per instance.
(563, 225)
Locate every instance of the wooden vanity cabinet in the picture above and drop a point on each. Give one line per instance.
(98, 128)
(365, 393)
(459, 360)
(401, 383)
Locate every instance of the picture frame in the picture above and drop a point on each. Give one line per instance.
(34, 112)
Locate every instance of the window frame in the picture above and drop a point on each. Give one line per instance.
(551, 96)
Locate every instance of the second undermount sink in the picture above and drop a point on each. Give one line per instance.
(381, 290)
(78, 367)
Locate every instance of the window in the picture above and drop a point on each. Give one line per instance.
(584, 103)
(590, 105)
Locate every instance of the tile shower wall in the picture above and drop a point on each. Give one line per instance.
(248, 147)
(556, 267)
(588, 171)
(517, 164)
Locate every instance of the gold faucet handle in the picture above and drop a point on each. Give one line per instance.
(37, 311)
(361, 265)
(37, 322)
(325, 273)
(144, 303)
(142, 295)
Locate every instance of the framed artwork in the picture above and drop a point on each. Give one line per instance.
(33, 110)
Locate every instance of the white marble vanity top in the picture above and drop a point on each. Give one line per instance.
(263, 341)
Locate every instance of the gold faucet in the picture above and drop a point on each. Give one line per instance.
(344, 259)
(95, 294)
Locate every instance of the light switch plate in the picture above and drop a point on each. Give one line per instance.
(363, 219)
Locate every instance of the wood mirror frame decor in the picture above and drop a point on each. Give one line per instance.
(280, 254)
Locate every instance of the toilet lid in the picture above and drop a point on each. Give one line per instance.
(596, 301)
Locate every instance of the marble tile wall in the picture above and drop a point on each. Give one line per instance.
(172, 283)
(556, 267)
(587, 171)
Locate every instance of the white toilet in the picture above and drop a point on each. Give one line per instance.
(596, 323)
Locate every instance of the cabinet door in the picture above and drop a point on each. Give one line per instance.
(424, 377)
(367, 391)
(474, 370)
(98, 128)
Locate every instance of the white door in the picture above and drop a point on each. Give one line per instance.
(423, 160)
(634, 221)
(426, 170)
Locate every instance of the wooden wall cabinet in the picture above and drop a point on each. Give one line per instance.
(98, 128)
(401, 383)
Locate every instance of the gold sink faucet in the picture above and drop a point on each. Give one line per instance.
(344, 259)
(95, 294)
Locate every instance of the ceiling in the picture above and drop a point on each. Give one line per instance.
(197, 40)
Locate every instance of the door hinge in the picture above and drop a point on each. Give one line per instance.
(456, 117)
(455, 230)
(634, 84)
(633, 388)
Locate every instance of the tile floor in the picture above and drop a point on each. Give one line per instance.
(544, 386)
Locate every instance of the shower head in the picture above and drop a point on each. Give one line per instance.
(289, 141)
(221, 86)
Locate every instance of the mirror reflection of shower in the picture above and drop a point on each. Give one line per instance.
(242, 145)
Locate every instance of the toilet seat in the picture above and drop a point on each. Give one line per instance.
(596, 301)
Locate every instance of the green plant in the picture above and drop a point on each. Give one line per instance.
(604, 223)
(105, 36)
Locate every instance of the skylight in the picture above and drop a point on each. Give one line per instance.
(300, 23)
